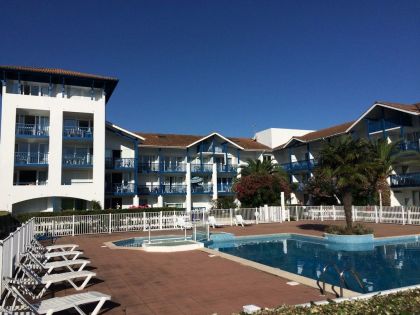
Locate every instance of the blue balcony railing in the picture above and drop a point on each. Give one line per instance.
(149, 189)
(300, 165)
(78, 160)
(227, 168)
(121, 163)
(409, 146)
(173, 189)
(202, 189)
(173, 168)
(121, 189)
(224, 188)
(202, 168)
(405, 180)
(149, 167)
(31, 159)
(78, 133)
(32, 130)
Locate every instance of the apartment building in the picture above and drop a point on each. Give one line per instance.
(391, 121)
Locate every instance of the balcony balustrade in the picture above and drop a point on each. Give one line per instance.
(376, 125)
(149, 167)
(224, 188)
(405, 180)
(227, 168)
(31, 159)
(78, 160)
(120, 189)
(31, 130)
(202, 189)
(173, 189)
(300, 165)
(78, 133)
(409, 146)
(202, 168)
(120, 163)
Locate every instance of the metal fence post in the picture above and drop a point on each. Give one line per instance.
(402, 214)
(321, 213)
(12, 265)
(110, 223)
(72, 231)
(231, 217)
(355, 213)
(334, 213)
(380, 214)
(376, 214)
(144, 221)
(1, 267)
(160, 220)
(352, 213)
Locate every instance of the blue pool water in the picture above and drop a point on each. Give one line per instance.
(383, 264)
(138, 241)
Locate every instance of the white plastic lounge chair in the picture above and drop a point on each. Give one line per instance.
(212, 222)
(53, 305)
(51, 248)
(180, 222)
(33, 279)
(67, 255)
(50, 266)
(239, 220)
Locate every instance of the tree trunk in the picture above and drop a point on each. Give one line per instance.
(383, 186)
(347, 202)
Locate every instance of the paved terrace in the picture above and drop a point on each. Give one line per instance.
(192, 282)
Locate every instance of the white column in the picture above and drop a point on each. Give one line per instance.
(188, 205)
(283, 207)
(160, 201)
(214, 181)
(136, 201)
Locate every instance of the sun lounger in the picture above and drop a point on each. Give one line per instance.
(51, 248)
(53, 305)
(212, 222)
(180, 222)
(71, 265)
(67, 255)
(31, 277)
(239, 220)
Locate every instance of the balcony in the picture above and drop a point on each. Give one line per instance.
(202, 189)
(405, 180)
(120, 189)
(409, 146)
(202, 168)
(31, 159)
(224, 188)
(149, 167)
(300, 165)
(176, 189)
(78, 161)
(149, 189)
(120, 163)
(227, 168)
(173, 168)
(78, 133)
(31, 130)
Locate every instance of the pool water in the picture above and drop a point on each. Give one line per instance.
(384, 264)
(168, 240)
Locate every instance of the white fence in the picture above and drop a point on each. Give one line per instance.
(12, 247)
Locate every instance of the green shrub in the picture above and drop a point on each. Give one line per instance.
(357, 229)
(23, 217)
(407, 302)
(96, 205)
(7, 224)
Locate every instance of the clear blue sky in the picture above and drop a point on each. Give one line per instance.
(228, 66)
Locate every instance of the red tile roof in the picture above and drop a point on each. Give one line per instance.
(56, 71)
(182, 141)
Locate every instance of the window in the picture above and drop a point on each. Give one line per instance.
(25, 89)
(45, 91)
(34, 90)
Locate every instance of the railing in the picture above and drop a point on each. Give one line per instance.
(250, 215)
(78, 132)
(202, 189)
(202, 168)
(121, 189)
(149, 167)
(32, 130)
(32, 158)
(224, 188)
(300, 165)
(409, 146)
(405, 180)
(12, 247)
(149, 189)
(78, 160)
(120, 163)
(173, 167)
(227, 168)
(376, 125)
(173, 189)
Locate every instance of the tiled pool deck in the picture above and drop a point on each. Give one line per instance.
(192, 282)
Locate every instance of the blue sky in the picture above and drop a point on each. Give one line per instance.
(228, 66)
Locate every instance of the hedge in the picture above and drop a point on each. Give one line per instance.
(23, 217)
(406, 302)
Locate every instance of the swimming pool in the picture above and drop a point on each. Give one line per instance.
(384, 264)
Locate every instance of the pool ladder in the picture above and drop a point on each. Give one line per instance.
(343, 282)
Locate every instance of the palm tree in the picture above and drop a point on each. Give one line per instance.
(266, 167)
(344, 160)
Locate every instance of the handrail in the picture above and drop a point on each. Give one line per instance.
(343, 282)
